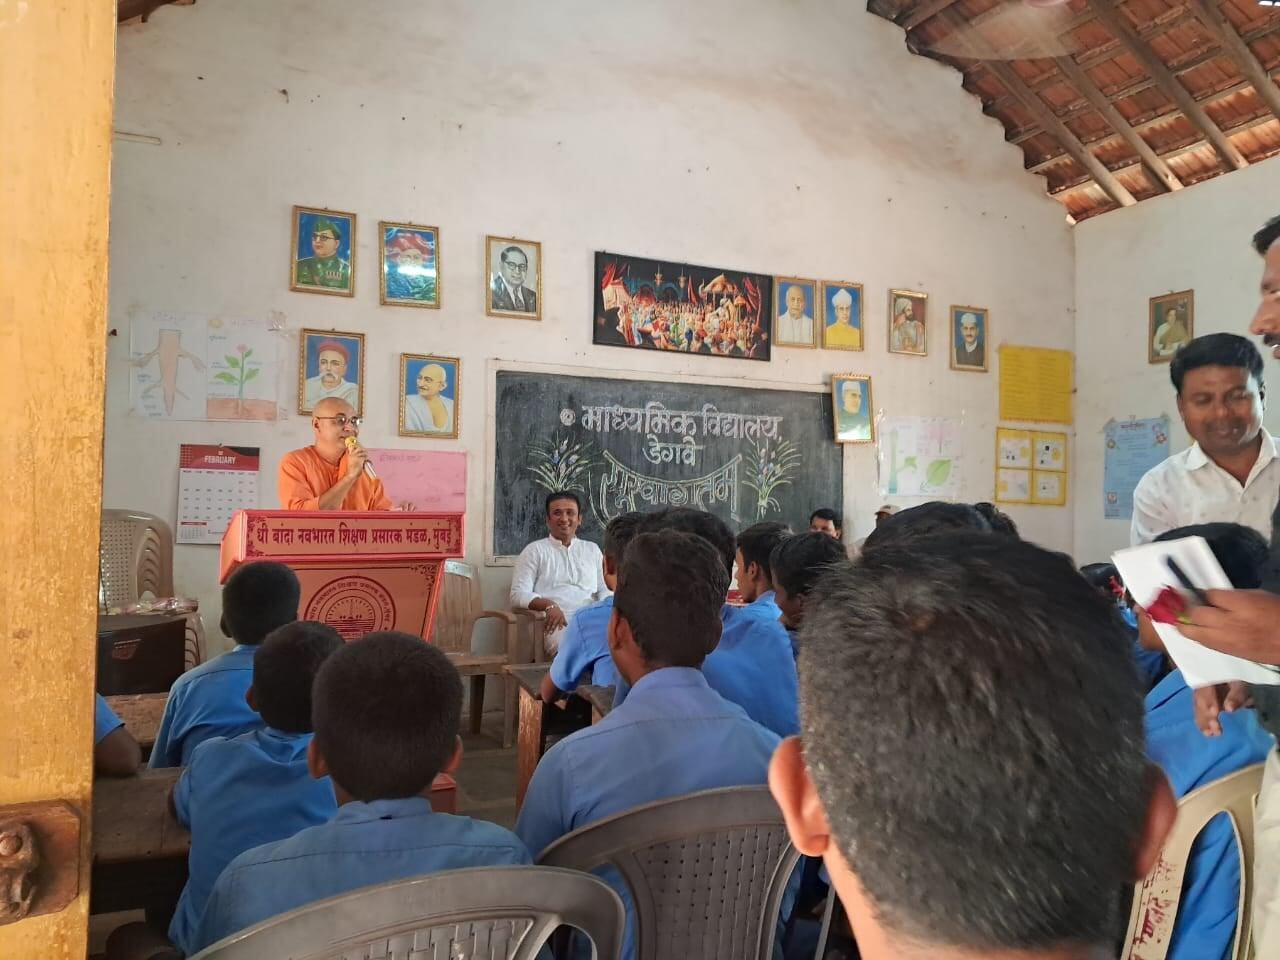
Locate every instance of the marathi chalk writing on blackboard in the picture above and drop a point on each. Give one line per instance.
(623, 489)
(655, 418)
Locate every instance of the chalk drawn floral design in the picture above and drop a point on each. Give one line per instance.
(769, 468)
(561, 463)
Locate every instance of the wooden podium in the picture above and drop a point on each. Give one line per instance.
(360, 572)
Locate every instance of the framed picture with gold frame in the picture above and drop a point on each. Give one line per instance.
(430, 396)
(510, 265)
(842, 316)
(970, 331)
(323, 254)
(409, 274)
(327, 359)
(852, 405)
(1171, 322)
(908, 322)
(795, 305)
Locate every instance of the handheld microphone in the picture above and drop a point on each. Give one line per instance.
(368, 467)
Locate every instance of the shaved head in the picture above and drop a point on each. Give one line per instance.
(332, 406)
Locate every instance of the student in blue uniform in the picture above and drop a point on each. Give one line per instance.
(208, 701)
(386, 711)
(674, 735)
(242, 792)
(795, 564)
(584, 648)
(753, 665)
(115, 752)
(1206, 921)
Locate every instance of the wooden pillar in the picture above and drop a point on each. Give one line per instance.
(57, 62)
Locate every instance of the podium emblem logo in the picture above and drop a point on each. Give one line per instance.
(353, 606)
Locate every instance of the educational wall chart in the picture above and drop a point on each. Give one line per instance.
(197, 367)
(213, 483)
(426, 480)
(1035, 384)
(1031, 467)
(920, 457)
(1131, 448)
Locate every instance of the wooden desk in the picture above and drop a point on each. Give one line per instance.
(600, 698)
(528, 677)
(141, 713)
(140, 849)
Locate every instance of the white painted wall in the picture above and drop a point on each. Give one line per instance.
(1195, 239)
(794, 138)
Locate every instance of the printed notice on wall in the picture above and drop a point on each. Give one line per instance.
(920, 457)
(1035, 384)
(1132, 447)
(1031, 467)
(213, 483)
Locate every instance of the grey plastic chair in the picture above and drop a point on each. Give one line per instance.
(707, 872)
(488, 913)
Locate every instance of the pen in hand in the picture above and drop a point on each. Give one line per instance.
(1183, 579)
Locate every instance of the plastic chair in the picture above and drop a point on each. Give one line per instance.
(707, 872)
(135, 556)
(456, 617)
(1155, 899)
(489, 913)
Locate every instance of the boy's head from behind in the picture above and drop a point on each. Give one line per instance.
(616, 537)
(666, 611)
(926, 520)
(386, 711)
(973, 769)
(755, 544)
(257, 598)
(284, 670)
(796, 563)
(698, 522)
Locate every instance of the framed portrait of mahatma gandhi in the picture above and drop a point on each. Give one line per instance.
(330, 364)
(323, 258)
(430, 393)
(514, 271)
(410, 275)
(851, 403)
(1171, 322)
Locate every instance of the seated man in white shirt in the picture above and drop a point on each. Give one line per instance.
(1230, 473)
(561, 573)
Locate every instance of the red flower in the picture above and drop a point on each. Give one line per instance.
(1169, 606)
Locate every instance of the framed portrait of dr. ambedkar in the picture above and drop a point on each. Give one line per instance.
(513, 269)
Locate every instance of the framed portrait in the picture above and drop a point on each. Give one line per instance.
(646, 304)
(908, 323)
(410, 265)
(330, 364)
(514, 271)
(323, 258)
(841, 316)
(851, 403)
(970, 327)
(795, 306)
(429, 394)
(1171, 322)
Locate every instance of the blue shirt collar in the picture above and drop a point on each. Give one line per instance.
(667, 678)
(766, 597)
(1169, 687)
(357, 811)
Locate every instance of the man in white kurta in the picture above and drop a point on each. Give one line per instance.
(561, 573)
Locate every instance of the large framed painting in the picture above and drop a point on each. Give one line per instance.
(323, 254)
(645, 304)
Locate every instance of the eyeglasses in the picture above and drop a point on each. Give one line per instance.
(323, 236)
(517, 267)
(342, 420)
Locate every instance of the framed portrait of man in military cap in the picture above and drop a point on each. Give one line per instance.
(324, 252)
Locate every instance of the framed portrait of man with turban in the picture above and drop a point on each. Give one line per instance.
(410, 265)
(330, 364)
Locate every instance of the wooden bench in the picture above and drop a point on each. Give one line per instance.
(141, 714)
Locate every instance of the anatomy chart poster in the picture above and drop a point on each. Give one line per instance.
(199, 367)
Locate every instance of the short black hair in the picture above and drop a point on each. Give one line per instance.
(555, 495)
(758, 540)
(1268, 235)
(386, 710)
(257, 598)
(937, 516)
(797, 562)
(1215, 350)
(1241, 551)
(1000, 521)
(284, 670)
(619, 533)
(970, 699)
(671, 588)
(701, 524)
(826, 513)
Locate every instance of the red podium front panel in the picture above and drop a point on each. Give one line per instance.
(360, 572)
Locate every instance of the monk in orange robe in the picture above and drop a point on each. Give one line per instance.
(329, 474)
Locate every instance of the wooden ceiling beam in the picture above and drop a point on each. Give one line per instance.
(922, 11)
(1159, 170)
(1119, 25)
(1216, 22)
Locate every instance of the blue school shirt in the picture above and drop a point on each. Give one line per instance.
(363, 845)
(674, 735)
(585, 647)
(238, 794)
(754, 666)
(1206, 921)
(207, 701)
(104, 719)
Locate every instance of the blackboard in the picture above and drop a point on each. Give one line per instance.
(744, 453)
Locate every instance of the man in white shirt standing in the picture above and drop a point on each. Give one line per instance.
(561, 573)
(1230, 473)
